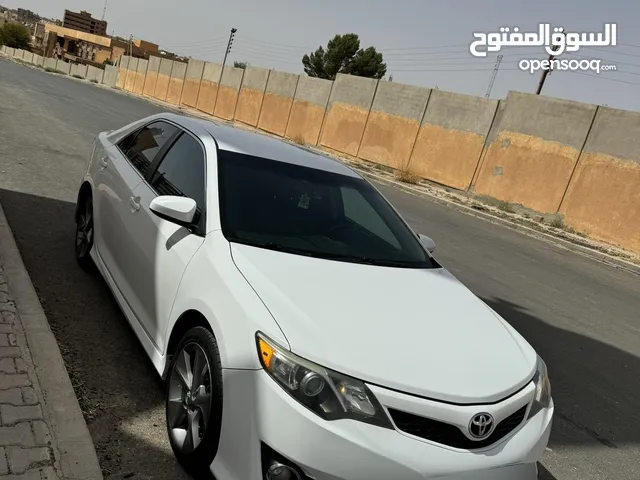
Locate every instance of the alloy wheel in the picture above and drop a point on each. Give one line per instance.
(189, 402)
(84, 230)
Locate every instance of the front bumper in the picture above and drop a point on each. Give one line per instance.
(258, 410)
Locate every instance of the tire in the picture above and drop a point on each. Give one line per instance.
(84, 233)
(185, 407)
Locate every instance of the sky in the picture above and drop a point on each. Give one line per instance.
(424, 42)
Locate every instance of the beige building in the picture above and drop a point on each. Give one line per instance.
(80, 47)
(71, 45)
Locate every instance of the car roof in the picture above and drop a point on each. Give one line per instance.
(233, 139)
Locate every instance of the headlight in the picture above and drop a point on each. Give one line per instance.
(542, 398)
(328, 394)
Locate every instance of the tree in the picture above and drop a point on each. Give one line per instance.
(242, 65)
(344, 55)
(15, 35)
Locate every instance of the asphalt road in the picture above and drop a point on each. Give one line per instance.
(582, 316)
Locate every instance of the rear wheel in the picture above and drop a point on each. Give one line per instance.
(194, 400)
(84, 233)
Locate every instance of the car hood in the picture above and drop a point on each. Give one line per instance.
(419, 331)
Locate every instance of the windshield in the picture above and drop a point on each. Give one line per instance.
(305, 211)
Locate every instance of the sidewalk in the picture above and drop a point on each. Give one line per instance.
(43, 435)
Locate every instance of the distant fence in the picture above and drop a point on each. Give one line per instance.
(551, 155)
(108, 76)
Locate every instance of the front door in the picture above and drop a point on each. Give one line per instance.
(122, 169)
(161, 250)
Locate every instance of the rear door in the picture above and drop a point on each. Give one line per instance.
(120, 171)
(161, 250)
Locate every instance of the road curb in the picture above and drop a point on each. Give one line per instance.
(78, 459)
(552, 239)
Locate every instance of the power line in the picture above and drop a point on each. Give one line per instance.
(602, 77)
(616, 61)
(608, 49)
(464, 70)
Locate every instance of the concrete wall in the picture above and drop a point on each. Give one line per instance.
(50, 63)
(209, 87)
(63, 67)
(176, 83)
(192, 79)
(451, 138)
(10, 51)
(123, 68)
(18, 53)
(95, 74)
(251, 96)
(278, 99)
(346, 118)
(152, 77)
(393, 123)
(38, 60)
(110, 77)
(27, 57)
(132, 72)
(228, 92)
(308, 109)
(603, 198)
(140, 76)
(164, 76)
(78, 70)
(533, 151)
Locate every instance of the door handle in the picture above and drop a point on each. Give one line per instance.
(103, 162)
(135, 203)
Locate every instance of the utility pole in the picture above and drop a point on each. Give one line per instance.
(130, 44)
(546, 72)
(493, 76)
(233, 32)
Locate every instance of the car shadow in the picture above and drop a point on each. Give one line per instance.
(122, 396)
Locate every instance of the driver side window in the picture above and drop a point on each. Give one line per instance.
(358, 210)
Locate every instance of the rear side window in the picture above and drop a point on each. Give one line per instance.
(142, 146)
(181, 172)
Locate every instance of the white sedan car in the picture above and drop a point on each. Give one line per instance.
(304, 330)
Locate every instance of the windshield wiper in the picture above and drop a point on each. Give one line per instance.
(269, 245)
(280, 248)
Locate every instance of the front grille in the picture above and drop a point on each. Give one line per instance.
(450, 435)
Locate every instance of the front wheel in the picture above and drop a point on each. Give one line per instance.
(84, 233)
(194, 400)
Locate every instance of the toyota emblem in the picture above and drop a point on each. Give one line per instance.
(481, 426)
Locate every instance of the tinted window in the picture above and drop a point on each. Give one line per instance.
(142, 146)
(301, 210)
(358, 210)
(182, 171)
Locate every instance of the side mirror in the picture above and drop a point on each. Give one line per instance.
(427, 242)
(178, 210)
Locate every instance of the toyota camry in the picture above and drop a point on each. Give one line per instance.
(303, 329)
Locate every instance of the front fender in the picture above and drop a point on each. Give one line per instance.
(213, 286)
